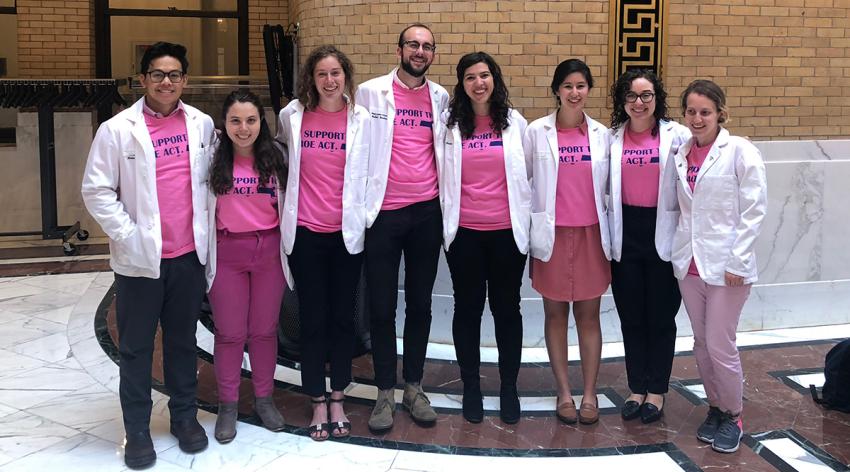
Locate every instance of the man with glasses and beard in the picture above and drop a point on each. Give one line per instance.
(146, 185)
(403, 217)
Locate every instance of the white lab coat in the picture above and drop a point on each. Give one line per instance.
(720, 219)
(119, 188)
(354, 180)
(541, 148)
(517, 173)
(672, 136)
(376, 95)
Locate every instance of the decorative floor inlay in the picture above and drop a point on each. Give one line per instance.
(59, 406)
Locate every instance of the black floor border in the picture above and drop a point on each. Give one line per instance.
(681, 387)
(754, 442)
(783, 376)
(106, 342)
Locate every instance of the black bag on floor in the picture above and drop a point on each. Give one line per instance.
(835, 394)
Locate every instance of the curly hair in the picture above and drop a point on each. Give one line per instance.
(307, 93)
(460, 106)
(622, 87)
(268, 160)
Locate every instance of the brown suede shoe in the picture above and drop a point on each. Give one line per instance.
(381, 419)
(418, 405)
(269, 414)
(588, 413)
(566, 412)
(225, 424)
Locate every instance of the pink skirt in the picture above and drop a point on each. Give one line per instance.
(577, 270)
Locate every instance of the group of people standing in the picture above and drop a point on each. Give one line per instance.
(358, 179)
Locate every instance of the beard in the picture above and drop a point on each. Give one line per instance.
(408, 67)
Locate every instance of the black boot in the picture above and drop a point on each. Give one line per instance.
(509, 409)
(473, 403)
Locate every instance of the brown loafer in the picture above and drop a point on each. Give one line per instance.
(588, 413)
(566, 412)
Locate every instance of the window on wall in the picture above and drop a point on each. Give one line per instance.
(214, 32)
(8, 65)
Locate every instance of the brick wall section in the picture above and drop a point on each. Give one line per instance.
(786, 68)
(55, 38)
(262, 12)
(527, 38)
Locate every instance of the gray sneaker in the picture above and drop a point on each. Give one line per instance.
(381, 419)
(415, 401)
(729, 433)
(708, 428)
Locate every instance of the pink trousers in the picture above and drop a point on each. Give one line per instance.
(714, 312)
(245, 298)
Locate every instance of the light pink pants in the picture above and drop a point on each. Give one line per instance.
(245, 298)
(714, 312)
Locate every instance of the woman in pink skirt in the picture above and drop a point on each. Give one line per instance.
(570, 248)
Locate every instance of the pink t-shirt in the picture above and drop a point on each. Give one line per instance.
(248, 206)
(483, 186)
(696, 156)
(640, 168)
(413, 167)
(322, 170)
(173, 181)
(575, 203)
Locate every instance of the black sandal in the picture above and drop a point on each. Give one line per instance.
(315, 430)
(339, 425)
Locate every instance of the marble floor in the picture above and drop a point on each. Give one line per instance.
(59, 404)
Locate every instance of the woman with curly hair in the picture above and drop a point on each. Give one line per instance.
(245, 273)
(324, 225)
(485, 225)
(642, 220)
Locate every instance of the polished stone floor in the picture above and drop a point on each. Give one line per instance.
(59, 405)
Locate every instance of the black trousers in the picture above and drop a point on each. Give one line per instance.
(415, 231)
(647, 298)
(482, 263)
(172, 301)
(326, 277)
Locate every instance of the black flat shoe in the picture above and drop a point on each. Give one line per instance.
(650, 413)
(631, 410)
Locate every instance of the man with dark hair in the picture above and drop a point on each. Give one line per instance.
(145, 184)
(403, 217)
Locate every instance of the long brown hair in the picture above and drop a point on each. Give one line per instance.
(307, 93)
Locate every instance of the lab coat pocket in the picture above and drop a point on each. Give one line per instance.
(540, 233)
(129, 251)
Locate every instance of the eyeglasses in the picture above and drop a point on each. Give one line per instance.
(645, 97)
(157, 76)
(415, 45)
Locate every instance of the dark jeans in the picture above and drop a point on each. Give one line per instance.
(326, 277)
(647, 298)
(415, 231)
(482, 263)
(172, 301)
